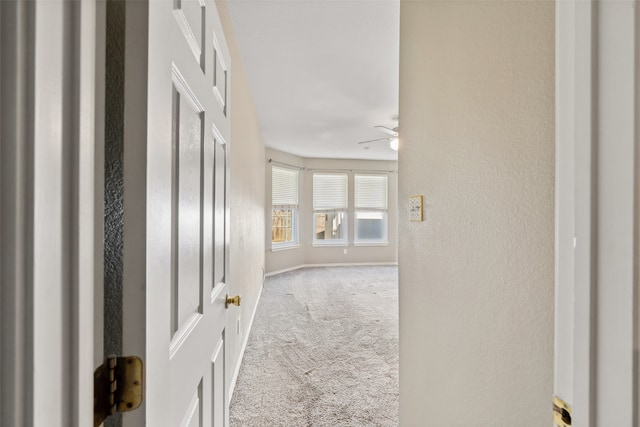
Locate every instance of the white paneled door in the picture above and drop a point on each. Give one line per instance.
(176, 141)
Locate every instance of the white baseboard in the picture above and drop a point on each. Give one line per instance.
(284, 270)
(245, 339)
(351, 264)
(337, 264)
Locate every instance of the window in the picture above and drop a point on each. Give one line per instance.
(330, 208)
(284, 213)
(371, 208)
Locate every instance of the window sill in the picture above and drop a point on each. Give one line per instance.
(330, 244)
(371, 244)
(285, 247)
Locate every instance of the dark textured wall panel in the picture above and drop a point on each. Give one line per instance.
(113, 182)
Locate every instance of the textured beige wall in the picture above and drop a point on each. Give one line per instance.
(246, 200)
(309, 254)
(476, 277)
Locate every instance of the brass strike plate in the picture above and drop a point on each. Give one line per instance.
(561, 412)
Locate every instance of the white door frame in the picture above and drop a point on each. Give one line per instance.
(597, 210)
(47, 105)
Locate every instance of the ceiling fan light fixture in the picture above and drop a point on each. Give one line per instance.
(394, 144)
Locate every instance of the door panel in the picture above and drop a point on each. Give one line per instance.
(193, 416)
(219, 76)
(190, 15)
(220, 220)
(217, 384)
(186, 211)
(185, 206)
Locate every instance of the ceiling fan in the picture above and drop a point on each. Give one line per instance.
(392, 138)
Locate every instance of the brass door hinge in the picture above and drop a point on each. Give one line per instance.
(561, 412)
(117, 387)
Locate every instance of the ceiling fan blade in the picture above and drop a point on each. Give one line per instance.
(374, 140)
(392, 132)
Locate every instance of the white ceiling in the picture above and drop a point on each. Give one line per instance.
(322, 73)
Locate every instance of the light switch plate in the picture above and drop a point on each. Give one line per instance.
(415, 208)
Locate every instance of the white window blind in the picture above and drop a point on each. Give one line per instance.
(329, 191)
(284, 187)
(371, 192)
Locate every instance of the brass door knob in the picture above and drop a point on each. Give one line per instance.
(232, 300)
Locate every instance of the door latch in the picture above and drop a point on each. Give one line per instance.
(117, 387)
(561, 412)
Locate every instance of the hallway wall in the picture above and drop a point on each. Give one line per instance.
(476, 277)
(246, 200)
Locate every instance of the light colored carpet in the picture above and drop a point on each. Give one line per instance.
(323, 351)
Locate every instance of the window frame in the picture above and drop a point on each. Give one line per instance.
(344, 240)
(294, 242)
(360, 209)
(344, 227)
(295, 208)
(383, 241)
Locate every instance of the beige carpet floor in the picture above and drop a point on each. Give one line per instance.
(323, 351)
